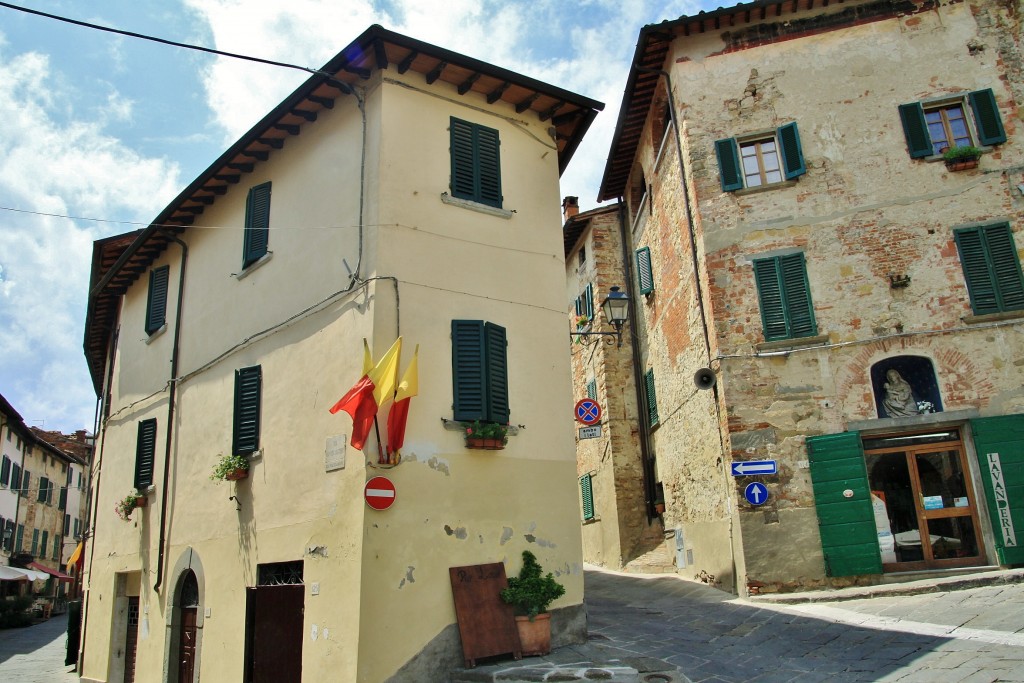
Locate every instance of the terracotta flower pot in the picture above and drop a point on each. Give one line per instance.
(961, 165)
(141, 502)
(235, 475)
(493, 444)
(535, 636)
(472, 442)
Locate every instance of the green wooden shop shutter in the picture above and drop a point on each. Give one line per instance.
(986, 117)
(644, 273)
(587, 493)
(248, 391)
(915, 129)
(849, 540)
(999, 446)
(257, 224)
(991, 268)
(156, 307)
(792, 152)
(729, 164)
(145, 450)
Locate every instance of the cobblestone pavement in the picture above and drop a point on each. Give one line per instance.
(975, 635)
(35, 654)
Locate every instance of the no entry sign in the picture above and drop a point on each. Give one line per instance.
(379, 493)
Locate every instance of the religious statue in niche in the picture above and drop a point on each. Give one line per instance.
(899, 398)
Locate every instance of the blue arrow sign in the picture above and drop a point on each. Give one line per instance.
(756, 494)
(746, 468)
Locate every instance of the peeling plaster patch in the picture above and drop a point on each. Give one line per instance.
(441, 466)
(459, 533)
(314, 632)
(530, 538)
(318, 550)
(506, 535)
(409, 578)
(481, 539)
(543, 543)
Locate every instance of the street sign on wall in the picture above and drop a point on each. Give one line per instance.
(756, 493)
(588, 411)
(591, 432)
(746, 468)
(379, 493)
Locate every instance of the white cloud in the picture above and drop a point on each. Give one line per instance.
(67, 169)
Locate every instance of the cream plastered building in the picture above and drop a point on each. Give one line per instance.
(827, 314)
(404, 190)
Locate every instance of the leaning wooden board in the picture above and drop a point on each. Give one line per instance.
(487, 625)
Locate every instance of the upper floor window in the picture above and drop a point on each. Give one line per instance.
(476, 163)
(257, 224)
(785, 297)
(644, 272)
(585, 306)
(932, 127)
(988, 256)
(145, 452)
(248, 397)
(479, 371)
(764, 159)
(156, 308)
(5, 473)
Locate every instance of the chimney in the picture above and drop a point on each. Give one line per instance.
(570, 207)
(80, 435)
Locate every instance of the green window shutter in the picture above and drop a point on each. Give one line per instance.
(469, 391)
(19, 541)
(915, 129)
(991, 268)
(35, 541)
(5, 472)
(26, 483)
(588, 300)
(729, 164)
(497, 373)
(257, 224)
(792, 152)
(43, 485)
(769, 292)
(62, 502)
(849, 539)
(67, 524)
(44, 544)
(587, 494)
(248, 392)
(999, 446)
(592, 389)
(145, 450)
(476, 162)
(56, 549)
(644, 274)
(797, 291)
(16, 478)
(986, 117)
(156, 308)
(652, 399)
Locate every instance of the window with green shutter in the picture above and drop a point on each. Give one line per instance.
(246, 429)
(991, 268)
(587, 495)
(26, 483)
(592, 389)
(479, 371)
(145, 451)
(931, 128)
(16, 478)
(585, 307)
(62, 502)
(652, 398)
(44, 486)
(257, 224)
(56, 548)
(760, 160)
(476, 163)
(785, 297)
(20, 539)
(156, 308)
(5, 471)
(67, 524)
(44, 544)
(644, 273)
(35, 541)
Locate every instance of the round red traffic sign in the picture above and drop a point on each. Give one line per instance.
(588, 411)
(379, 493)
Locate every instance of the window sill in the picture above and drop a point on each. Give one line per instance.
(476, 206)
(783, 344)
(993, 317)
(766, 188)
(259, 262)
(151, 338)
(592, 520)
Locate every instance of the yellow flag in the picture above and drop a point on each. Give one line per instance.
(409, 385)
(385, 374)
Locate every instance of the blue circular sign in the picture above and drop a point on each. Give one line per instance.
(756, 493)
(588, 411)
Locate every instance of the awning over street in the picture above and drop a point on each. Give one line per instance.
(30, 574)
(11, 574)
(50, 572)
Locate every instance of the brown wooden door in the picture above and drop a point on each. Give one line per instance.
(131, 640)
(276, 623)
(187, 645)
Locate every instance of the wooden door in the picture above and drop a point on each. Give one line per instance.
(131, 639)
(275, 624)
(187, 645)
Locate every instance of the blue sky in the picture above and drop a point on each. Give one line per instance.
(99, 126)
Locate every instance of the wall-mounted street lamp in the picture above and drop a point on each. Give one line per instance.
(616, 309)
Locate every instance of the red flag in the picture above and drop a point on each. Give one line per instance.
(359, 403)
(408, 388)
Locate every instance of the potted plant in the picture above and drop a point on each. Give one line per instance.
(230, 468)
(530, 593)
(486, 435)
(124, 507)
(961, 158)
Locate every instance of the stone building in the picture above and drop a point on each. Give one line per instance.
(403, 192)
(828, 315)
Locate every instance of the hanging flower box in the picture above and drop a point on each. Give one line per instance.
(489, 436)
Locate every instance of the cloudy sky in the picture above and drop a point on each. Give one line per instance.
(98, 131)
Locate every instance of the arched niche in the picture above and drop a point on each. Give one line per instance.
(919, 373)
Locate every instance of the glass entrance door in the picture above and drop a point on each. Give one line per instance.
(925, 507)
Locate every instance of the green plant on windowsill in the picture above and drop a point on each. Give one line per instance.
(960, 155)
(480, 434)
(126, 505)
(531, 592)
(230, 468)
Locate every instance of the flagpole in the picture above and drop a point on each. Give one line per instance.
(381, 460)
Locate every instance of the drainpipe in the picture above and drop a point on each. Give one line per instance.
(700, 300)
(646, 459)
(170, 414)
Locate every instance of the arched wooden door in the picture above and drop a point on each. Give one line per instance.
(189, 605)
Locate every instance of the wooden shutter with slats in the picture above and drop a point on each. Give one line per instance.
(729, 164)
(248, 393)
(792, 151)
(986, 117)
(145, 450)
(156, 307)
(644, 273)
(915, 129)
(257, 224)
